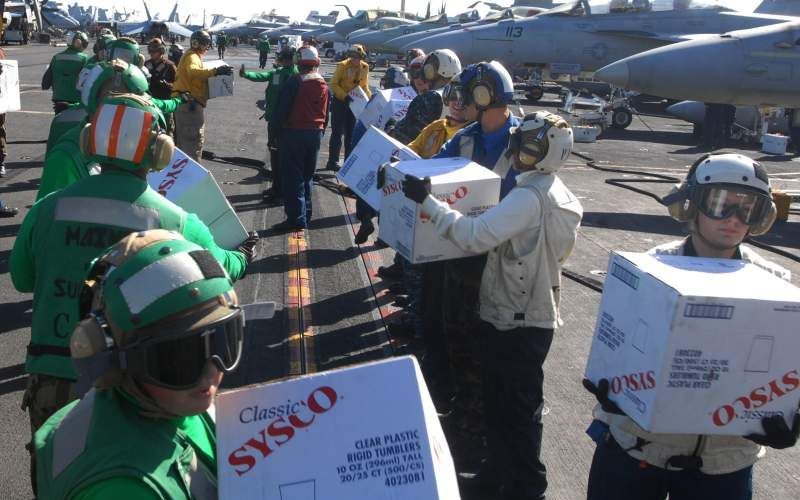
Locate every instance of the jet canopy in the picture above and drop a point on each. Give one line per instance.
(581, 8)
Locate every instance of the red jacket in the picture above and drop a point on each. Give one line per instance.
(303, 103)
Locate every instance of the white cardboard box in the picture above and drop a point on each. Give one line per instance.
(386, 104)
(774, 144)
(697, 346)
(360, 171)
(367, 432)
(9, 86)
(359, 100)
(466, 186)
(219, 86)
(190, 186)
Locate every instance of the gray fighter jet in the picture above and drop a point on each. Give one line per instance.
(756, 67)
(396, 44)
(585, 35)
(363, 18)
(156, 27)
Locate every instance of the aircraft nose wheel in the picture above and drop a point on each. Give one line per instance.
(621, 118)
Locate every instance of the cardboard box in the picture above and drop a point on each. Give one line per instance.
(360, 171)
(190, 186)
(219, 86)
(364, 432)
(358, 102)
(774, 144)
(9, 86)
(697, 346)
(379, 109)
(466, 186)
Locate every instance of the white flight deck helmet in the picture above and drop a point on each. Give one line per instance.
(441, 63)
(708, 187)
(541, 143)
(308, 56)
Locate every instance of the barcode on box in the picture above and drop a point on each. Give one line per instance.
(708, 311)
(625, 276)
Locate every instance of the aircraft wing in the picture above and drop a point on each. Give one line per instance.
(177, 29)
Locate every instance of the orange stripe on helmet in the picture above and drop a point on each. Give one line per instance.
(144, 138)
(113, 136)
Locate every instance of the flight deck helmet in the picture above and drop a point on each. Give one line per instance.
(394, 77)
(441, 63)
(200, 40)
(542, 142)
(487, 85)
(77, 40)
(713, 181)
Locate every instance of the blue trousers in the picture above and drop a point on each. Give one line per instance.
(615, 475)
(342, 123)
(299, 153)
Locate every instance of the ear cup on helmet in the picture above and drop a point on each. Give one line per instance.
(429, 71)
(140, 60)
(482, 95)
(681, 211)
(85, 140)
(163, 150)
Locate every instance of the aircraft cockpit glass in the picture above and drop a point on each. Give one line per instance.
(580, 8)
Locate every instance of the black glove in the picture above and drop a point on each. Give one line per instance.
(600, 392)
(382, 169)
(416, 189)
(348, 98)
(241, 71)
(777, 434)
(248, 247)
(223, 70)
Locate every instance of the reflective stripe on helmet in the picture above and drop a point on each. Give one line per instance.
(121, 132)
(106, 212)
(158, 279)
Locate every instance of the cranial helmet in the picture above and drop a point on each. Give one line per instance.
(77, 40)
(157, 307)
(394, 77)
(157, 45)
(441, 63)
(308, 56)
(357, 50)
(126, 131)
(200, 40)
(413, 54)
(487, 85)
(126, 49)
(115, 77)
(101, 44)
(415, 68)
(721, 185)
(542, 142)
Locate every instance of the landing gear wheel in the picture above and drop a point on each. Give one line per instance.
(621, 118)
(535, 93)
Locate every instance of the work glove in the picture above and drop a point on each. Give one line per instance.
(600, 392)
(248, 247)
(223, 70)
(382, 169)
(416, 189)
(777, 434)
(241, 71)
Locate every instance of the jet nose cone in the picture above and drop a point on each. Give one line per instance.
(617, 74)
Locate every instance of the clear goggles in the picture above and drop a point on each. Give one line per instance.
(722, 202)
(178, 361)
(456, 93)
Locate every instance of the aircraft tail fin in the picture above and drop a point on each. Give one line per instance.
(147, 10)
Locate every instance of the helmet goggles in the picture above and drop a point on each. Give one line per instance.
(177, 361)
(533, 143)
(456, 93)
(721, 202)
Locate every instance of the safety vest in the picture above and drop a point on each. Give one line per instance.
(103, 436)
(71, 117)
(466, 148)
(73, 227)
(65, 67)
(59, 173)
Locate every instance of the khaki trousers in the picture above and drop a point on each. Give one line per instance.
(189, 129)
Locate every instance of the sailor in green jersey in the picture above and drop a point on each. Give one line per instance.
(64, 163)
(285, 68)
(62, 74)
(145, 431)
(264, 49)
(67, 229)
(100, 48)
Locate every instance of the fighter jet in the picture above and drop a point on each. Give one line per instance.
(396, 44)
(382, 24)
(156, 27)
(253, 27)
(755, 67)
(585, 35)
(364, 18)
(780, 7)
(55, 15)
(375, 39)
